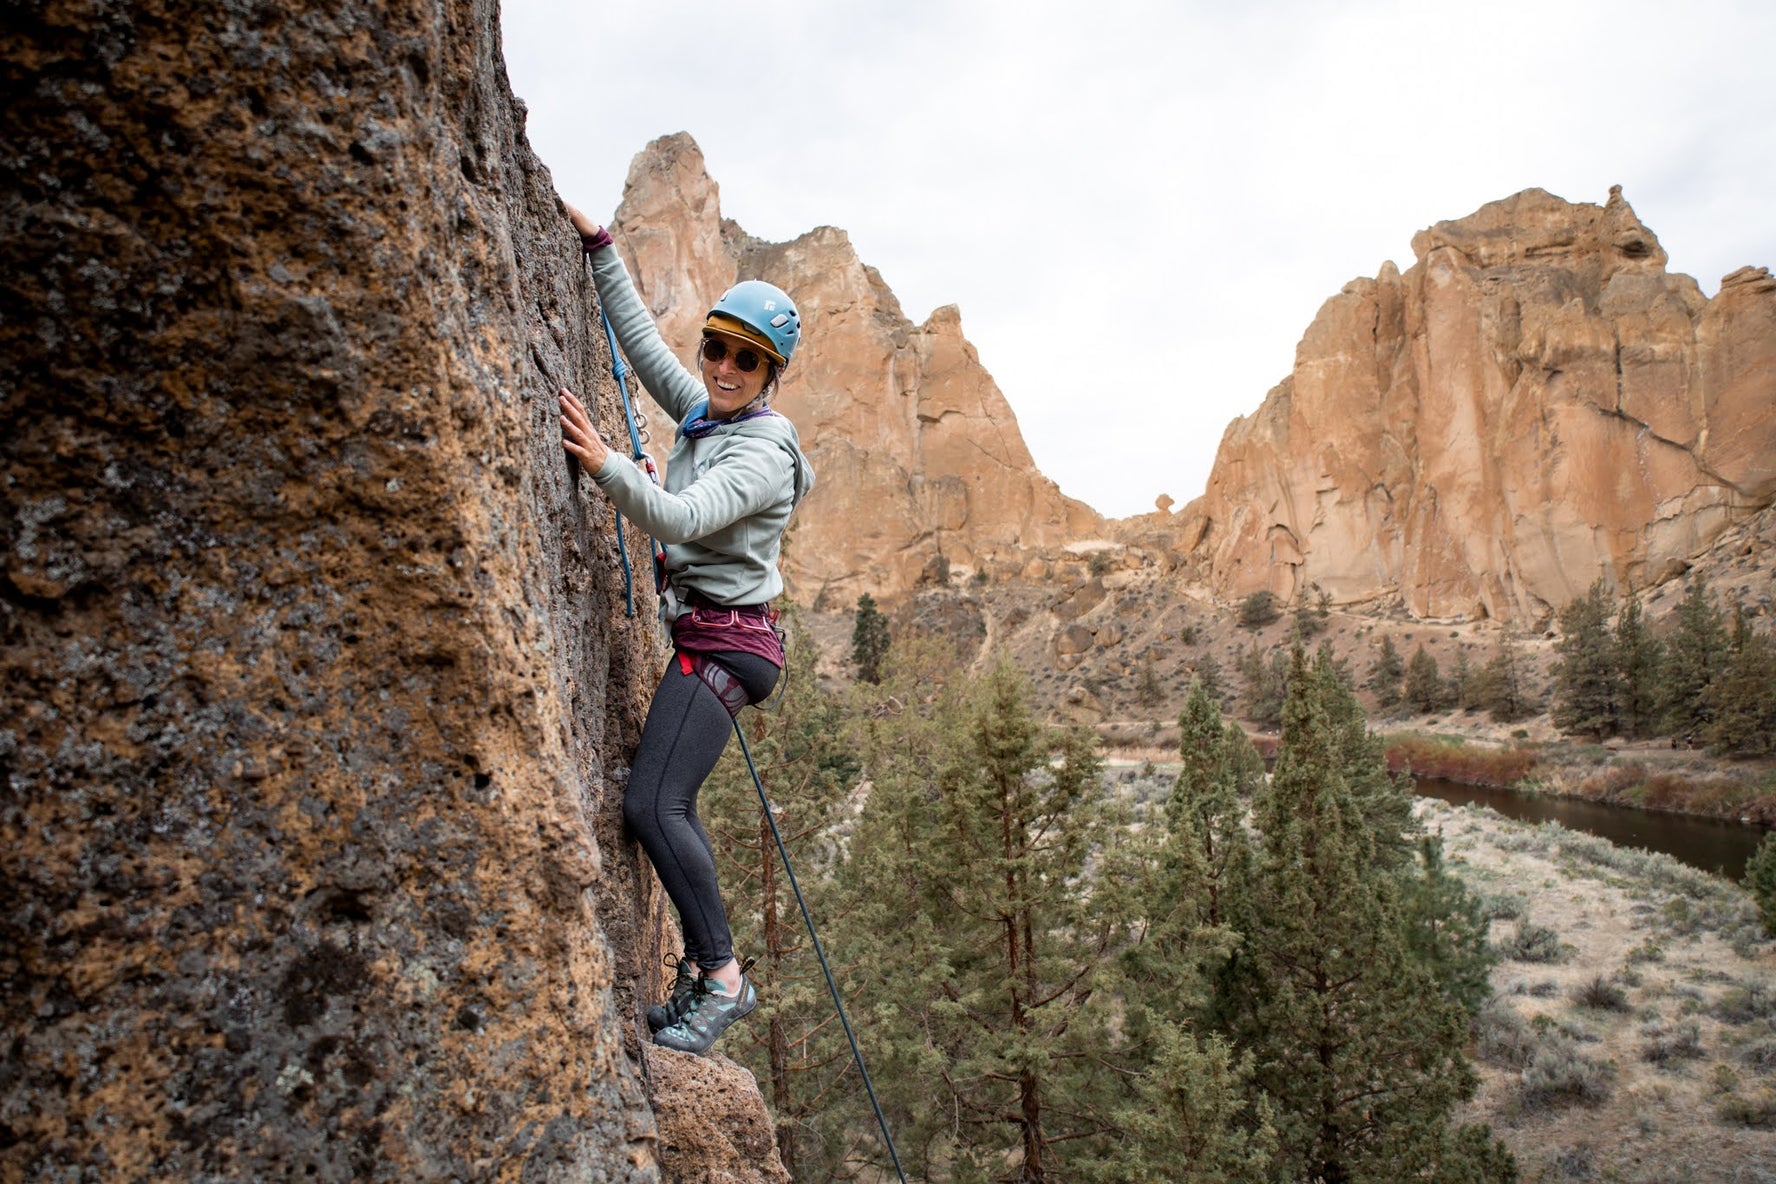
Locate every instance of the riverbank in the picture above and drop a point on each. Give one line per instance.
(1632, 1034)
(1647, 775)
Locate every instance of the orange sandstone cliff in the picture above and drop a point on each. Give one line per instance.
(919, 456)
(1535, 403)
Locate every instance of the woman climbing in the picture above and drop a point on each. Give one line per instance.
(735, 473)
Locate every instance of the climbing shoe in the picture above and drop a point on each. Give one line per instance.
(664, 1015)
(706, 1015)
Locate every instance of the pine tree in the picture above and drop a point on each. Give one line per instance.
(1638, 657)
(1352, 1039)
(1447, 930)
(1206, 810)
(1462, 682)
(997, 869)
(1147, 688)
(1195, 1118)
(1585, 674)
(1742, 701)
(1424, 683)
(1265, 683)
(1385, 674)
(1695, 657)
(1500, 687)
(1208, 672)
(869, 640)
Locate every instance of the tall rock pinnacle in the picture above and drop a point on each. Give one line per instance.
(919, 455)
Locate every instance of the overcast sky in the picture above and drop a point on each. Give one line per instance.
(1139, 207)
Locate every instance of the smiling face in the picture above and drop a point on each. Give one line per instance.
(731, 388)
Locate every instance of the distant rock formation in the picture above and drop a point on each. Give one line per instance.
(316, 686)
(922, 468)
(1535, 403)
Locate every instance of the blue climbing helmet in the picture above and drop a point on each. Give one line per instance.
(767, 311)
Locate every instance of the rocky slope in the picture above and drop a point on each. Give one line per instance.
(317, 684)
(919, 456)
(1535, 403)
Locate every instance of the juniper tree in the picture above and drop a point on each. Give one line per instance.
(1195, 1118)
(1742, 701)
(994, 872)
(1695, 657)
(1424, 682)
(1258, 610)
(1205, 811)
(1447, 930)
(1208, 671)
(1639, 657)
(1585, 674)
(1462, 681)
(1501, 688)
(1264, 684)
(1353, 1040)
(1386, 673)
(1760, 881)
(869, 639)
(1147, 688)
(1310, 619)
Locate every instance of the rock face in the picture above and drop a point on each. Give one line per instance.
(919, 456)
(317, 682)
(1535, 403)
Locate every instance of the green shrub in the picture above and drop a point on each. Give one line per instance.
(1678, 1042)
(1752, 1000)
(1559, 1073)
(1757, 1110)
(1760, 1055)
(1258, 610)
(1760, 881)
(1502, 906)
(1600, 994)
(1573, 1163)
(1532, 943)
(1503, 1037)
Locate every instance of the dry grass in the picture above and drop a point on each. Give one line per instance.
(1648, 1052)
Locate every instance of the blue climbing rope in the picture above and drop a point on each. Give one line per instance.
(807, 919)
(620, 371)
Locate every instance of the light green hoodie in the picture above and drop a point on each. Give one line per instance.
(728, 495)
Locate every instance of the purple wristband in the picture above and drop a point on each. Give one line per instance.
(591, 242)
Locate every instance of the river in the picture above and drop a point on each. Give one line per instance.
(1707, 843)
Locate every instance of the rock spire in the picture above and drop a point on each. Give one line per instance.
(922, 466)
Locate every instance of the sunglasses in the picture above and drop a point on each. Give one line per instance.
(745, 360)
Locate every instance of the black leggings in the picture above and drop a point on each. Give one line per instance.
(687, 728)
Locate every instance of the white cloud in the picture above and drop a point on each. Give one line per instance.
(1140, 206)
